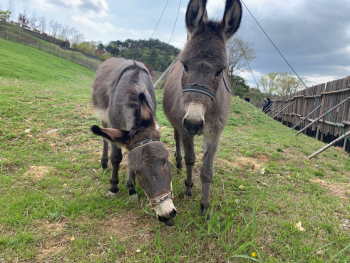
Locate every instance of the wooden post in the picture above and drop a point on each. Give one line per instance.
(305, 117)
(268, 107)
(322, 116)
(161, 77)
(278, 108)
(328, 145)
(283, 109)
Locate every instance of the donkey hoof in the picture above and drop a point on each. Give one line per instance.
(111, 195)
(104, 166)
(187, 194)
(170, 222)
(133, 199)
(207, 218)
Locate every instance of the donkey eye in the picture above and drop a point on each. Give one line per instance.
(218, 73)
(164, 164)
(185, 68)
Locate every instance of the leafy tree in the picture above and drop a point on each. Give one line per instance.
(239, 52)
(288, 84)
(5, 15)
(268, 83)
(238, 85)
(111, 48)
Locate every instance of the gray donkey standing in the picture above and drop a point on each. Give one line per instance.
(196, 99)
(123, 98)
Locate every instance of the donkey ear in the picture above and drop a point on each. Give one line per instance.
(116, 136)
(147, 116)
(195, 15)
(232, 18)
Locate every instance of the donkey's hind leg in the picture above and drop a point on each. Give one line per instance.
(131, 186)
(178, 155)
(104, 159)
(116, 158)
(190, 160)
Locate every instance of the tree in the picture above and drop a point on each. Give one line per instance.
(288, 84)
(11, 7)
(238, 85)
(239, 52)
(268, 83)
(55, 28)
(111, 48)
(33, 20)
(5, 15)
(76, 38)
(42, 23)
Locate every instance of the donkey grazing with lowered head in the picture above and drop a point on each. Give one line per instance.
(196, 99)
(123, 98)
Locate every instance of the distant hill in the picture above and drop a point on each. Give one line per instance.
(150, 52)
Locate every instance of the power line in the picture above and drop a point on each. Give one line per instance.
(239, 43)
(159, 18)
(170, 36)
(296, 73)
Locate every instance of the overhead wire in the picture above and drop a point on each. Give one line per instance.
(177, 15)
(295, 72)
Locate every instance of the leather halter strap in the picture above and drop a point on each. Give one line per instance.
(204, 90)
(143, 143)
(199, 90)
(160, 200)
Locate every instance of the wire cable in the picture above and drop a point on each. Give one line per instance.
(295, 72)
(239, 43)
(159, 19)
(170, 36)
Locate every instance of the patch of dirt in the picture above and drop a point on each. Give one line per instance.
(342, 191)
(37, 172)
(261, 158)
(244, 162)
(55, 240)
(125, 226)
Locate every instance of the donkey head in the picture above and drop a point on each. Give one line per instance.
(147, 158)
(204, 58)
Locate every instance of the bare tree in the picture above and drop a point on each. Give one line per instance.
(239, 52)
(76, 38)
(51, 23)
(33, 20)
(42, 23)
(55, 28)
(11, 7)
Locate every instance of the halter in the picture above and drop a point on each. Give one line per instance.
(143, 143)
(163, 198)
(204, 90)
(160, 200)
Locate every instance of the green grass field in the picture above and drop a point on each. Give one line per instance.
(52, 189)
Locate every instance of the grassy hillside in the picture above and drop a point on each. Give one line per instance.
(53, 206)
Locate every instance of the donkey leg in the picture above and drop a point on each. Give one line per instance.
(178, 155)
(131, 186)
(210, 147)
(116, 158)
(104, 159)
(190, 160)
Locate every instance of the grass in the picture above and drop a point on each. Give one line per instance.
(53, 206)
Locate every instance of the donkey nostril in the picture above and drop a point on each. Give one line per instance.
(185, 124)
(201, 125)
(173, 213)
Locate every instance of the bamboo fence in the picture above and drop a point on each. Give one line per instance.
(302, 103)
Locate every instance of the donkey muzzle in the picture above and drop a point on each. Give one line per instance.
(193, 122)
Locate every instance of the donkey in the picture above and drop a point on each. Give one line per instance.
(123, 98)
(196, 98)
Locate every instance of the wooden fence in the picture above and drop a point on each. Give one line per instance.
(301, 111)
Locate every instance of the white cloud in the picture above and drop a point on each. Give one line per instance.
(179, 41)
(103, 27)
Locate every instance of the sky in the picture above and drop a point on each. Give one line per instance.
(313, 35)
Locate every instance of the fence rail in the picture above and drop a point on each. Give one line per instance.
(49, 48)
(301, 109)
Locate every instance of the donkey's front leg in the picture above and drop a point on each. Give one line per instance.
(178, 155)
(131, 186)
(116, 158)
(211, 143)
(190, 160)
